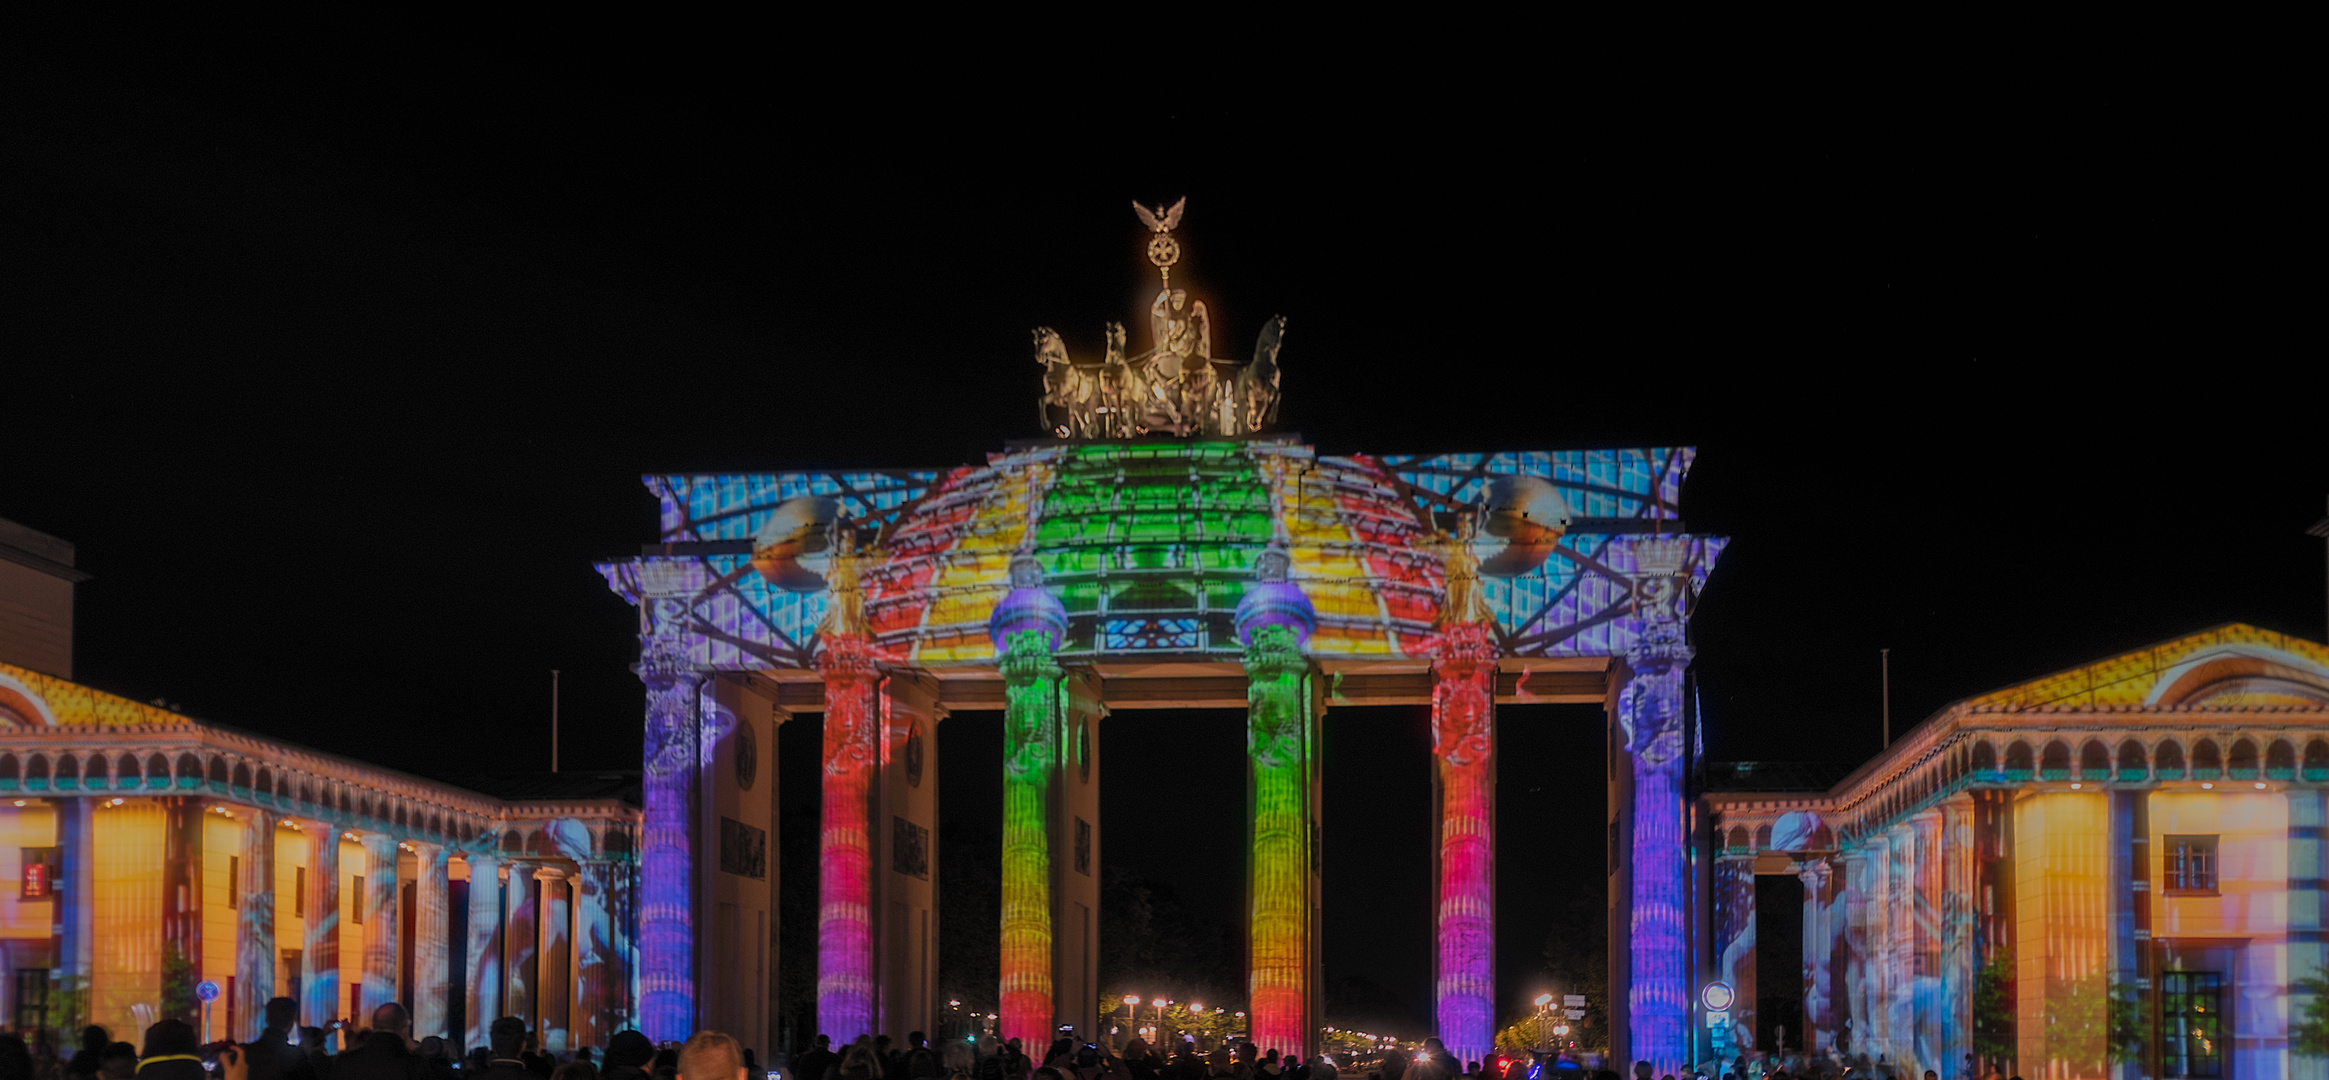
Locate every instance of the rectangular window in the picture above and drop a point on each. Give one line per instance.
(32, 999)
(356, 904)
(299, 892)
(2191, 864)
(234, 884)
(2191, 1024)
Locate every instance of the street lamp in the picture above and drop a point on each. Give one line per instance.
(1543, 1005)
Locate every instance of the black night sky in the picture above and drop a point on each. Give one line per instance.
(339, 354)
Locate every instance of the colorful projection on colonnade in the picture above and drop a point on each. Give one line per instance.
(1163, 534)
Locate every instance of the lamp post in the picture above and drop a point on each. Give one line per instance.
(1131, 1014)
(1543, 1005)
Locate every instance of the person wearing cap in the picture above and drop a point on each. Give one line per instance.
(627, 1056)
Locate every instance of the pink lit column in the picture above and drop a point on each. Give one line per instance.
(1463, 721)
(845, 945)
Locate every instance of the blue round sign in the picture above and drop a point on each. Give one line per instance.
(206, 990)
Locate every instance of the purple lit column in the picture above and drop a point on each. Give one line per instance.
(666, 863)
(1650, 708)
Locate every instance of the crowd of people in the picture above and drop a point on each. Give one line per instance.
(386, 1050)
(383, 1050)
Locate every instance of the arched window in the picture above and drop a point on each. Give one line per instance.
(1984, 757)
(157, 772)
(618, 841)
(307, 795)
(2131, 763)
(11, 770)
(2243, 763)
(436, 825)
(2280, 760)
(242, 778)
(36, 772)
(2207, 761)
(2018, 760)
(2167, 761)
(1738, 838)
(125, 771)
(2054, 764)
(513, 841)
(2094, 762)
(189, 771)
(218, 776)
(264, 786)
(68, 772)
(402, 821)
(1763, 837)
(2317, 761)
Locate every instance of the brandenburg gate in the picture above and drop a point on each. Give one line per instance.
(1158, 548)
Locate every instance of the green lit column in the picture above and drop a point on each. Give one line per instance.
(1028, 625)
(1282, 708)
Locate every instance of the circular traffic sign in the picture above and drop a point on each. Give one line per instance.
(206, 990)
(1718, 995)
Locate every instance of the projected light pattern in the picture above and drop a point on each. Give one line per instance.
(845, 955)
(666, 866)
(1278, 740)
(1174, 526)
(319, 985)
(1034, 710)
(1650, 710)
(1463, 740)
(483, 989)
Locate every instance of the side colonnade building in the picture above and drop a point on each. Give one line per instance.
(151, 853)
(2118, 870)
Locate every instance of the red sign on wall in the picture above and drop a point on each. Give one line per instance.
(40, 870)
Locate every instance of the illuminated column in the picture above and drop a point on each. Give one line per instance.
(1274, 622)
(1957, 929)
(521, 905)
(1649, 708)
(383, 919)
(483, 948)
(432, 961)
(553, 971)
(1852, 1012)
(845, 945)
(182, 880)
(1817, 1024)
(1463, 721)
(255, 947)
(319, 958)
(76, 922)
(603, 961)
(1900, 1027)
(1027, 625)
(2308, 903)
(1926, 973)
(1875, 1035)
(666, 859)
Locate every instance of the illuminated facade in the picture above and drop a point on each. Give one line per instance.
(2116, 870)
(153, 852)
(1162, 550)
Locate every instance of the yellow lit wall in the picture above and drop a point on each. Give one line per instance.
(290, 929)
(222, 842)
(2251, 901)
(2061, 878)
(23, 827)
(2252, 864)
(126, 968)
